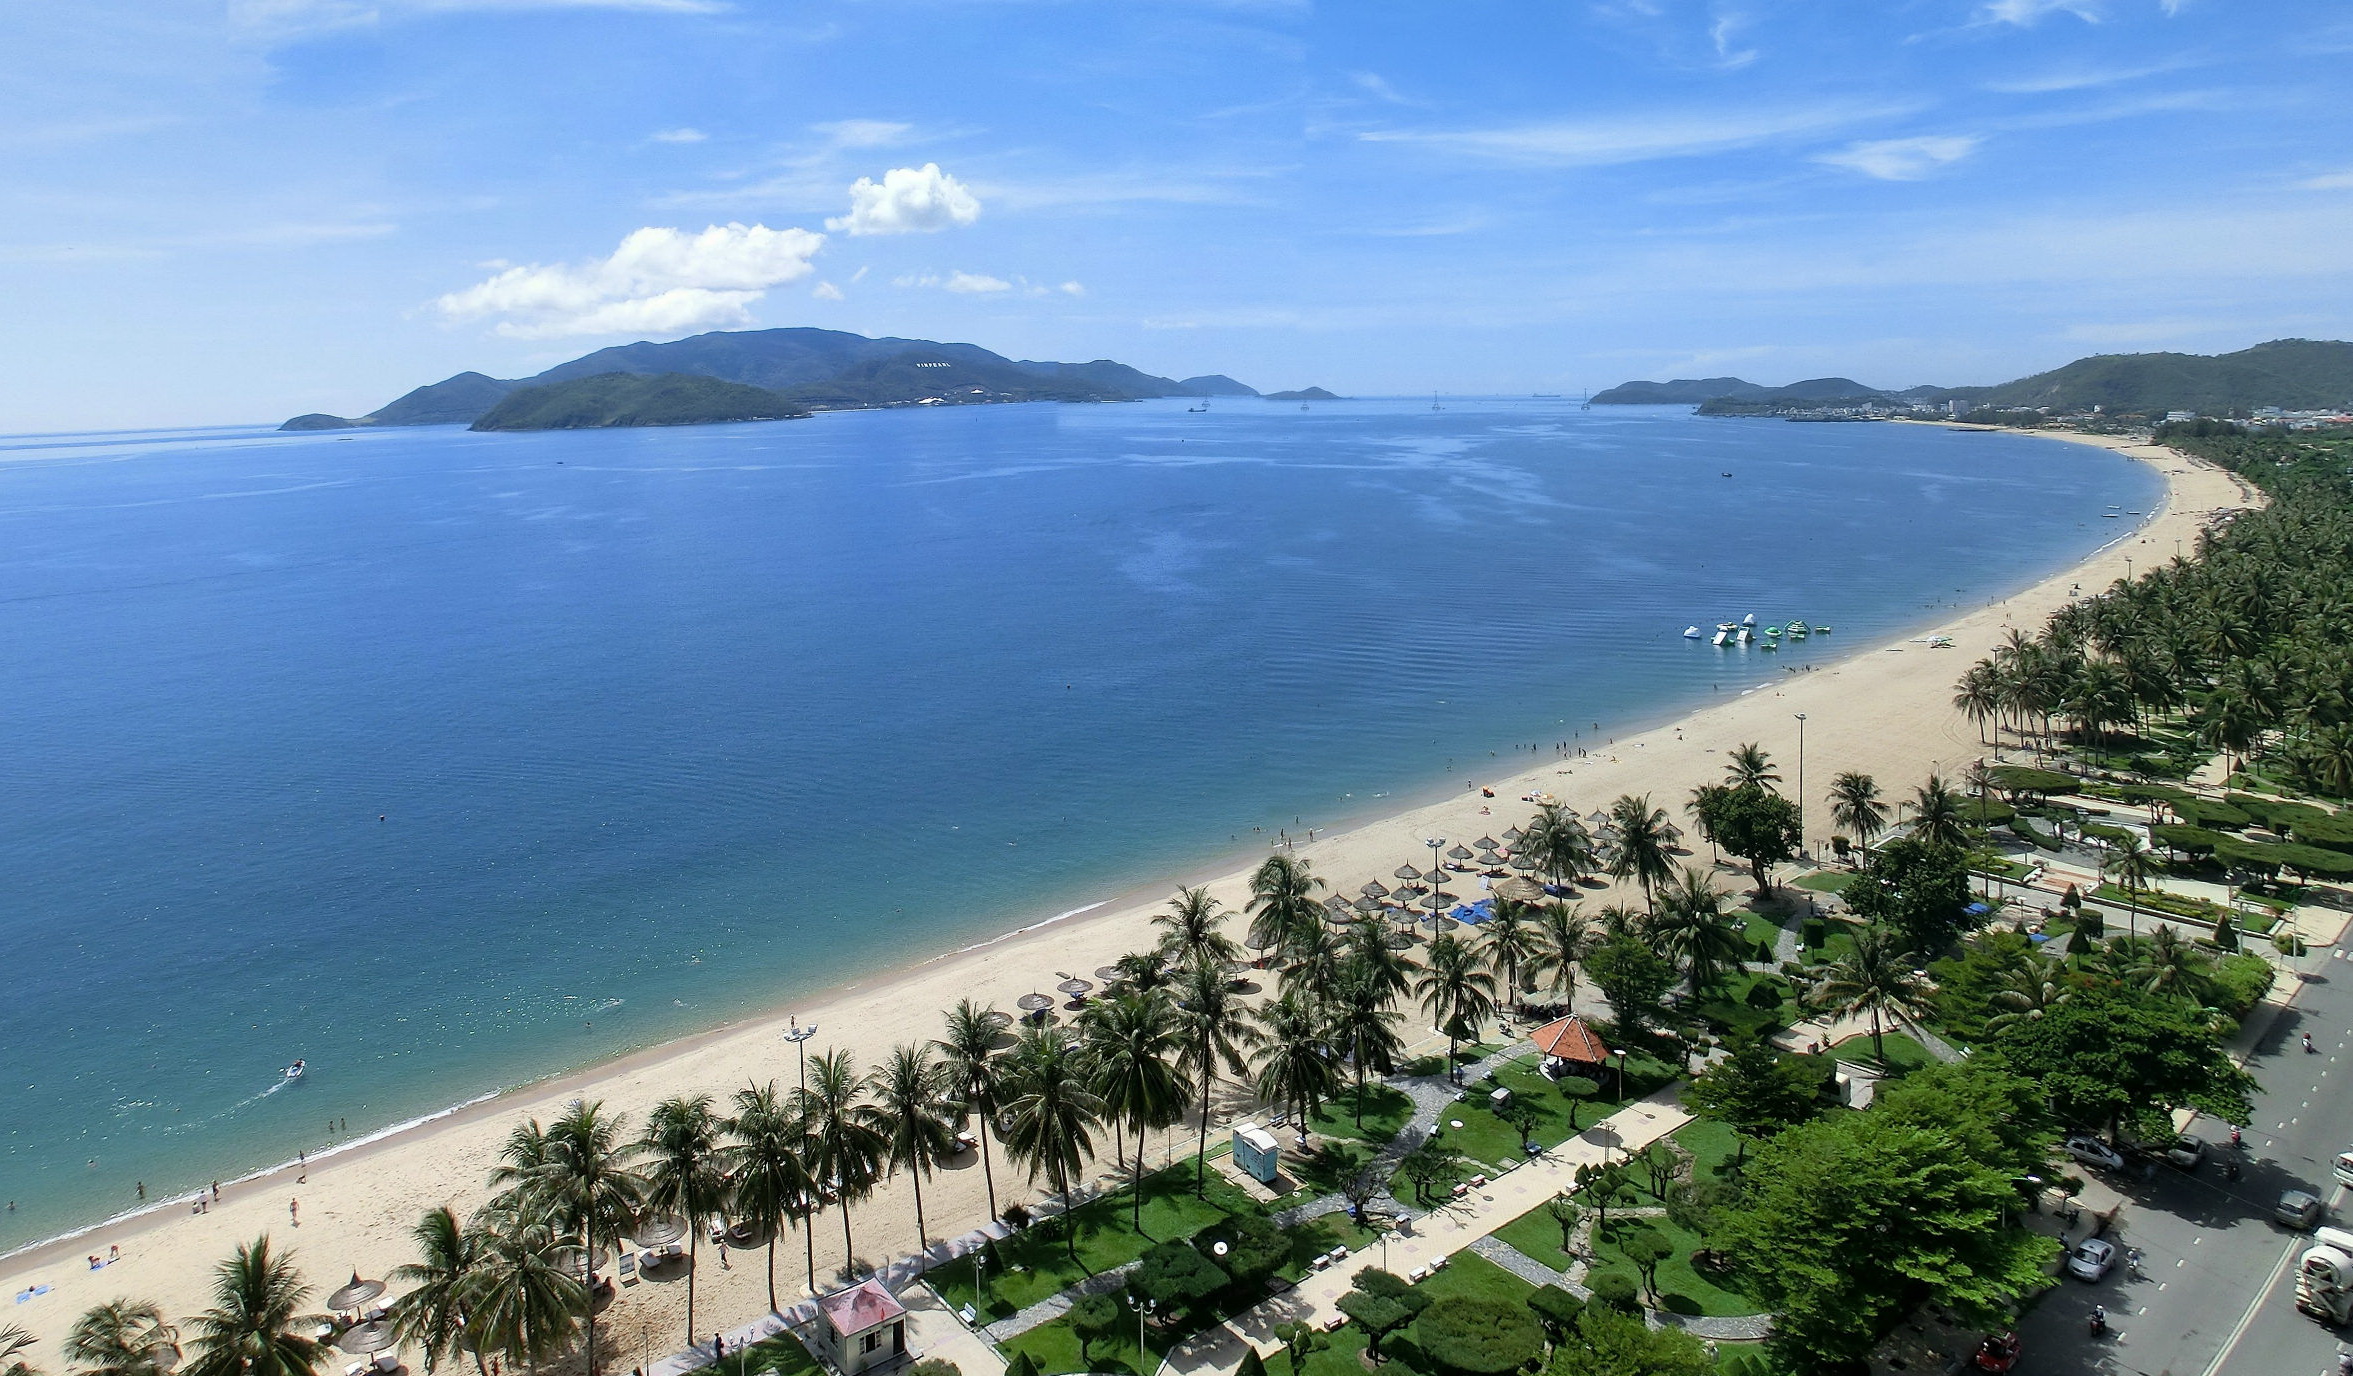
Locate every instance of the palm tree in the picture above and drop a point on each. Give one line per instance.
(1690, 926)
(586, 1187)
(845, 1151)
(122, 1338)
(1751, 767)
(1978, 696)
(2171, 965)
(1295, 1066)
(1216, 1031)
(431, 1316)
(255, 1327)
(1192, 931)
(1703, 807)
(1371, 957)
(680, 1150)
(13, 1341)
(1876, 978)
(1557, 843)
(1361, 1028)
(969, 1052)
(524, 1299)
(1563, 938)
(2134, 865)
(1283, 910)
(2028, 992)
(1512, 942)
(1936, 814)
(1456, 992)
(908, 1109)
(1644, 835)
(1315, 951)
(516, 1177)
(1131, 1046)
(1855, 807)
(1049, 1114)
(766, 1159)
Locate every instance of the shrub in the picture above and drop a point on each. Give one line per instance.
(1252, 1363)
(1017, 1216)
(1765, 996)
(1814, 933)
(935, 1366)
(1615, 1289)
(1255, 1247)
(1095, 1316)
(1173, 1273)
(2240, 982)
(1555, 1308)
(2091, 923)
(1477, 1335)
(1024, 1364)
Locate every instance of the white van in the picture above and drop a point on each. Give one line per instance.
(2344, 1171)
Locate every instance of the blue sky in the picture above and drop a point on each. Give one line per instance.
(217, 214)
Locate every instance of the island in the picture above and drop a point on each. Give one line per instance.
(634, 399)
(1304, 394)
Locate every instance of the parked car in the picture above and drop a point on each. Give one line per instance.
(2185, 1152)
(2297, 1209)
(2091, 1258)
(2091, 1151)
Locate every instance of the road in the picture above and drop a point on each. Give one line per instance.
(2216, 1292)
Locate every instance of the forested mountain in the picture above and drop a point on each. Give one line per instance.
(823, 368)
(629, 399)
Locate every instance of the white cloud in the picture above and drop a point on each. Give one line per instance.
(2028, 13)
(863, 133)
(975, 283)
(1378, 87)
(1627, 139)
(1723, 33)
(1073, 289)
(659, 281)
(2328, 181)
(680, 136)
(908, 200)
(1903, 160)
(826, 291)
(2081, 78)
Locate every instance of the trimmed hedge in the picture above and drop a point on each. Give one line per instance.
(2018, 778)
(2205, 812)
(2188, 840)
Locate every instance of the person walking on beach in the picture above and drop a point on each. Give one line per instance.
(294, 1212)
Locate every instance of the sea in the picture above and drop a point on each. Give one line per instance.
(445, 761)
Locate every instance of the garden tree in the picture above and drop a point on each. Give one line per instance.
(1295, 1067)
(1973, 988)
(1658, 1164)
(1024, 1364)
(1936, 814)
(1563, 938)
(1433, 1162)
(2134, 865)
(2226, 933)
(2112, 1058)
(1252, 1365)
(1615, 1290)
(1696, 1205)
(1996, 1116)
(1565, 1211)
(1522, 1116)
(1647, 1248)
(1610, 1342)
(1634, 978)
(1174, 1274)
(1573, 1089)
(1556, 1309)
(1644, 838)
(1759, 826)
(1360, 1189)
(1599, 1184)
(1856, 808)
(1917, 887)
(1218, 1032)
(935, 1366)
(1853, 1219)
(1689, 926)
(1381, 1303)
(1255, 1247)
(1300, 1341)
(1756, 1091)
(1094, 1316)
(1478, 1336)
(1875, 978)
(1284, 914)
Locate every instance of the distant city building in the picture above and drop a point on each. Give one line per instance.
(2181, 415)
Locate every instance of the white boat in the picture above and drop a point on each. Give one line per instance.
(1691, 633)
(294, 1071)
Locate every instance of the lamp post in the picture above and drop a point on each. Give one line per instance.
(1801, 783)
(799, 1036)
(1437, 878)
(1620, 1053)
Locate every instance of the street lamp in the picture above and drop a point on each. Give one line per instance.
(1620, 1053)
(1437, 878)
(1801, 783)
(799, 1036)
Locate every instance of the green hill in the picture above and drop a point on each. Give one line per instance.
(1304, 394)
(630, 399)
(2296, 374)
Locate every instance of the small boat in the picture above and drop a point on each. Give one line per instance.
(1196, 410)
(1797, 630)
(1770, 644)
(2108, 515)
(294, 1071)
(1727, 472)
(2132, 513)
(1821, 630)
(1691, 633)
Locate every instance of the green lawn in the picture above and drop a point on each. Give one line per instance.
(1038, 1259)
(1322, 1171)
(1726, 1004)
(782, 1354)
(1466, 1273)
(1825, 881)
(1385, 1111)
(1904, 1053)
(1320, 1235)
(1493, 1143)
(1055, 1347)
(1682, 1289)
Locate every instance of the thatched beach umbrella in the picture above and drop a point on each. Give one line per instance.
(1368, 904)
(1109, 974)
(355, 1294)
(1076, 987)
(1512, 836)
(1375, 889)
(1486, 843)
(1457, 853)
(658, 1230)
(1520, 891)
(365, 1338)
(1033, 1003)
(1406, 872)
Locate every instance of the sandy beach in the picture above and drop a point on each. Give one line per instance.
(1884, 709)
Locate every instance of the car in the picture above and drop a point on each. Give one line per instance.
(2297, 1209)
(2091, 1151)
(2185, 1152)
(2091, 1258)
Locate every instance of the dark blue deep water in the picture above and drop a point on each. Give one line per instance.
(445, 761)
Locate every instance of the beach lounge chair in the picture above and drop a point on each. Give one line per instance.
(355, 1369)
(387, 1361)
(629, 1268)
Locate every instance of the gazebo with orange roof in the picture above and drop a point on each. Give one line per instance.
(1568, 1042)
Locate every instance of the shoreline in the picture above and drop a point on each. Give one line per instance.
(371, 1189)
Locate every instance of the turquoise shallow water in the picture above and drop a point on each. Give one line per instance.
(444, 761)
